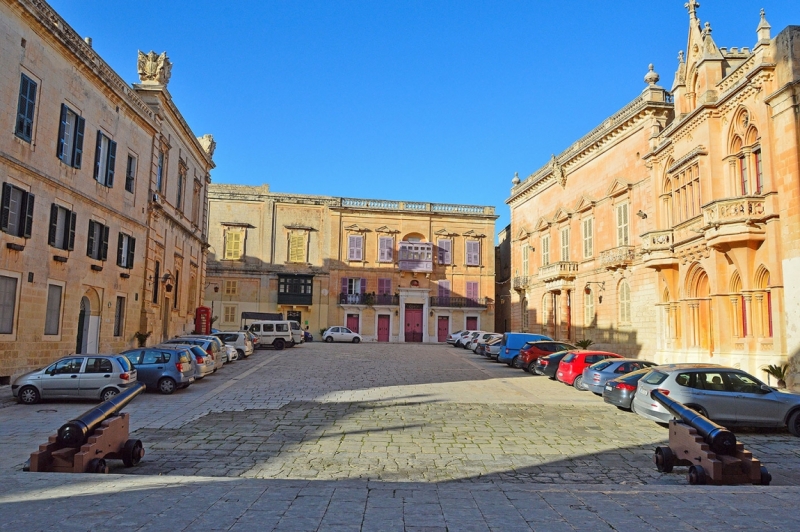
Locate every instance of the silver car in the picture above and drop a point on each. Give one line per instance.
(239, 340)
(596, 375)
(726, 395)
(76, 377)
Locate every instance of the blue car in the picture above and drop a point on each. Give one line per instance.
(512, 342)
(163, 368)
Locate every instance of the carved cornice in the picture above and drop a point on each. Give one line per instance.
(689, 157)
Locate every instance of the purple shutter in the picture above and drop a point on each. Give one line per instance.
(344, 285)
(444, 289)
(386, 249)
(472, 290)
(445, 247)
(363, 286)
(473, 252)
(384, 286)
(354, 247)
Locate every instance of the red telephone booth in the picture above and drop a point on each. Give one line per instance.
(202, 320)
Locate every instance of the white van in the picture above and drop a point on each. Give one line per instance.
(297, 333)
(278, 334)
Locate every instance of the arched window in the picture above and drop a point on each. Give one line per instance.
(764, 301)
(699, 308)
(624, 302)
(745, 156)
(738, 306)
(588, 308)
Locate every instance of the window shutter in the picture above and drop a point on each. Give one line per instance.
(97, 156)
(62, 128)
(363, 286)
(104, 250)
(355, 248)
(71, 231)
(472, 290)
(444, 288)
(51, 234)
(78, 154)
(28, 198)
(112, 158)
(131, 249)
(384, 286)
(385, 254)
(344, 285)
(120, 238)
(5, 210)
(448, 248)
(473, 253)
(90, 240)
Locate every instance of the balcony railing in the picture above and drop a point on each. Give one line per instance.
(618, 257)
(369, 299)
(733, 210)
(521, 283)
(558, 270)
(457, 302)
(287, 298)
(657, 241)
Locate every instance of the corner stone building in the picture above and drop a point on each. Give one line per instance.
(669, 231)
(393, 271)
(103, 197)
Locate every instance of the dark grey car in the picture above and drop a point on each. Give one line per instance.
(620, 391)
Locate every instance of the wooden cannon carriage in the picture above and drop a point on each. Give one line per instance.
(84, 444)
(711, 451)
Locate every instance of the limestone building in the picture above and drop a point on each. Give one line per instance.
(390, 270)
(668, 230)
(94, 222)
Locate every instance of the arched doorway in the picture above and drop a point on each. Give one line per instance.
(88, 337)
(700, 309)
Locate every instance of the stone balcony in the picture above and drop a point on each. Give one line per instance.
(657, 249)
(618, 257)
(558, 270)
(521, 283)
(737, 221)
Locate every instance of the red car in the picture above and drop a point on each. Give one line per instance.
(530, 352)
(570, 369)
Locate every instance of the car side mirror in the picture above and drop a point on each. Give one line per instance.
(766, 388)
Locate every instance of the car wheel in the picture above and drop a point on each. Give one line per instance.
(108, 393)
(515, 362)
(132, 453)
(279, 344)
(329, 339)
(28, 395)
(356, 340)
(532, 368)
(166, 386)
(241, 354)
(793, 424)
(578, 383)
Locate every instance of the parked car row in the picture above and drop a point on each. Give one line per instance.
(728, 396)
(169, 366)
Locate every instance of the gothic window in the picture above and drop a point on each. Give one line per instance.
(685, 190)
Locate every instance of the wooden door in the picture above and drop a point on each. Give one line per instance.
(443, 328)
(472, 323)
(352, 322)
(413, 330)
(383, 327)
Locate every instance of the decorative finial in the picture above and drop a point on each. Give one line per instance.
(692, 6)
(154, 68)
(763, 30)
(515, 181)
(763, 13)
(651, 78)
(680, 56)
(707, 29)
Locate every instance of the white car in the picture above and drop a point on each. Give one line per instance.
(341, 334)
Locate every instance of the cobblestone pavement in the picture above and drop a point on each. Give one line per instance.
(382, 437)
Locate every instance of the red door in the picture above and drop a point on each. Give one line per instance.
(352, 322)
(383, 327)
(472, 324)
(443, 328)
(413, 323)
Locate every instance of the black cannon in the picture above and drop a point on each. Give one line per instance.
(710, 450)
(83, 444)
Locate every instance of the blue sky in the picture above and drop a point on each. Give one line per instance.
(437, 101)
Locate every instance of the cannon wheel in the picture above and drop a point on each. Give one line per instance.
(97, 466)
(697, 475)
(664, 459)
(132, 453)
(766, 478)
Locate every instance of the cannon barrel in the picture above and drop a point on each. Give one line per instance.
(75, 432)
(720, 439)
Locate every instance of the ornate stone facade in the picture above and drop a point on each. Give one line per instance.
(681, 215)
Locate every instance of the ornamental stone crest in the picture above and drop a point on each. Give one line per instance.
(154, 68)
(208, 144)
(558, 172)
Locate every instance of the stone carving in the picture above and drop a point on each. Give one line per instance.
(154, 68)
(558, 172)
(208, 144)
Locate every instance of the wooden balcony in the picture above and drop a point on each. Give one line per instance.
(732, 222)
(657, 249)
(618, 257)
